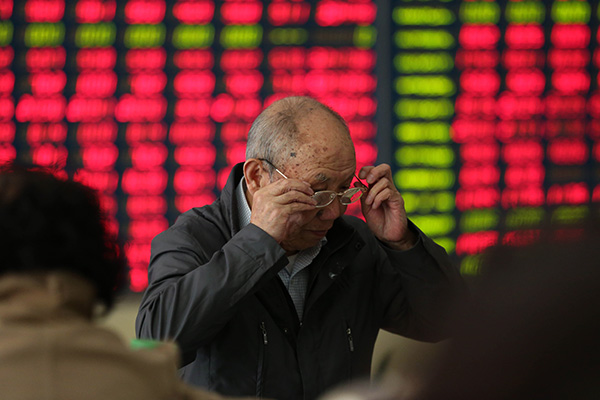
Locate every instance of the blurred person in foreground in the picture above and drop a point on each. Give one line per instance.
(529, 331)
(532, 330)
(58, 265)
(271, 290)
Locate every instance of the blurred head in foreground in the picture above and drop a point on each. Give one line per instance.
(532, 328)
(48, 224)
(58, 263)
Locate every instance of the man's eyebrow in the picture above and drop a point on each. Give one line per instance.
(321, 177)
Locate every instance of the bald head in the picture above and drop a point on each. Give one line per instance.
(282, 129)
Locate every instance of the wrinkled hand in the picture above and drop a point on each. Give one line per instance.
(279, 208)
(383, 208)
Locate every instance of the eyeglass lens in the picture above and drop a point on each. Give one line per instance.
(324, 198)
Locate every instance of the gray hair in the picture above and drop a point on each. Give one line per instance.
(275, 130)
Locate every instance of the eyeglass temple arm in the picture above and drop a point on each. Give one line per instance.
(281, 173)
(364, 187)
(274, 167)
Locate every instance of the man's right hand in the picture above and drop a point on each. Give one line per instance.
(281, 207)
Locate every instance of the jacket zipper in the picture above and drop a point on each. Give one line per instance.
(262, 360)
(264, 333)
(350, 339)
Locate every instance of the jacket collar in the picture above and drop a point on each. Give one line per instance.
(326, 267)
(229, 201)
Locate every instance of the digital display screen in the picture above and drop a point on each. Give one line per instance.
(150, 101)
(487, 111)
(495, 118)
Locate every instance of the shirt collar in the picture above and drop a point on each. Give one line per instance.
(243, 206)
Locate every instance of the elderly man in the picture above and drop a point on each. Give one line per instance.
(271, 291)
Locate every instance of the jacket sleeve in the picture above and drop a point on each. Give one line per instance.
(191, 293)
(419, 288)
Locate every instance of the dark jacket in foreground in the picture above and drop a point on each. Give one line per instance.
(214, 289)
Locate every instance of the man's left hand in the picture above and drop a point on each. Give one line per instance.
(383, 208)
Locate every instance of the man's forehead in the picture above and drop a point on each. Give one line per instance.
(320, 159)
(322, 177)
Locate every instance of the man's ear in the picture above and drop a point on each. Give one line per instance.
(255, 175)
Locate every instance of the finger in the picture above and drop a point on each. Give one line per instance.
(382, 196)
(377, 187)
(295, 196)
(286, 185)
(374, 174)
(364, 171)
(298, 207)
(388, 195)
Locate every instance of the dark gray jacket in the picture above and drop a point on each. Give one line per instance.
(214, 289)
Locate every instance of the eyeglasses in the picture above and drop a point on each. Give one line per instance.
(326, 197)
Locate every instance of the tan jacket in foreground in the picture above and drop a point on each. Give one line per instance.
(50, 350)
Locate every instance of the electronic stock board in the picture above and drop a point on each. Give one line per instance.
(487, 111)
